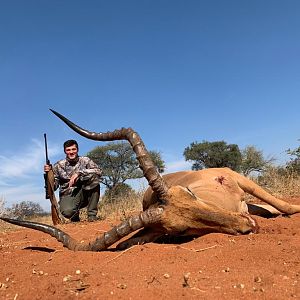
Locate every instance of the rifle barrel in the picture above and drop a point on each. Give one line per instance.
(46, 150)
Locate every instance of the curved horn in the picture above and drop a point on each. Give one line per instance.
(150, 216)
(149, 170)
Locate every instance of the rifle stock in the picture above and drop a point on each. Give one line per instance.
(57, 218)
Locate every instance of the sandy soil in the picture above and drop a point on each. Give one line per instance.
(216, 266)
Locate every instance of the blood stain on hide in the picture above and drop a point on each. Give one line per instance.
(220, 179)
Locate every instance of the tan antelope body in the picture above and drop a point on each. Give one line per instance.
(177, 204)
(212, 200)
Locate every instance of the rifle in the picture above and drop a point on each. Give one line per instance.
(57, 218)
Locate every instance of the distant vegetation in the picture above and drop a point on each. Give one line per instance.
(220, 154)
(23, 210)
(118, 163)
(246, 161)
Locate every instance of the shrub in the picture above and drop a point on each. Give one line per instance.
(3, 210)
(26, 209)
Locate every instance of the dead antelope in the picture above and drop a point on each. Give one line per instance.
(178, 204)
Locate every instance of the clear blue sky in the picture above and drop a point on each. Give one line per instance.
(175, 71)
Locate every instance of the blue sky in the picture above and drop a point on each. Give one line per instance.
(175, 71)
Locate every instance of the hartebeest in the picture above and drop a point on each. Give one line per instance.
(177, 204)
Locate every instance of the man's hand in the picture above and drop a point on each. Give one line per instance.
(47, 168)
(73, 180)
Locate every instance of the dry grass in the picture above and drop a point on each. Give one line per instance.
(285, 185)
(42, 219)
(46, 219)
(121, 208)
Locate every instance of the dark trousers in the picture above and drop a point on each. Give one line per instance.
(69, 205)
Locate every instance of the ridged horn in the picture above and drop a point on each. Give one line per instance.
(145, 218)
(145, 162)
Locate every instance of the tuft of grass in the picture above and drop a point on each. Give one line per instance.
(45, 219)
(120, 208)
(279, 184)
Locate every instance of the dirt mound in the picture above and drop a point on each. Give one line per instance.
(216, 266)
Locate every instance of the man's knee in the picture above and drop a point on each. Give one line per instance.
(68, 212)
(68, 207)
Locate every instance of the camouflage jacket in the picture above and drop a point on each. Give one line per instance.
(89, 174)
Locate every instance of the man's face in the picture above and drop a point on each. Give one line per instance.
(71, 152)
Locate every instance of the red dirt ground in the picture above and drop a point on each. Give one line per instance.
(216, 266)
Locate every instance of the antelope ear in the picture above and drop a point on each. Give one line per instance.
(191, 193)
